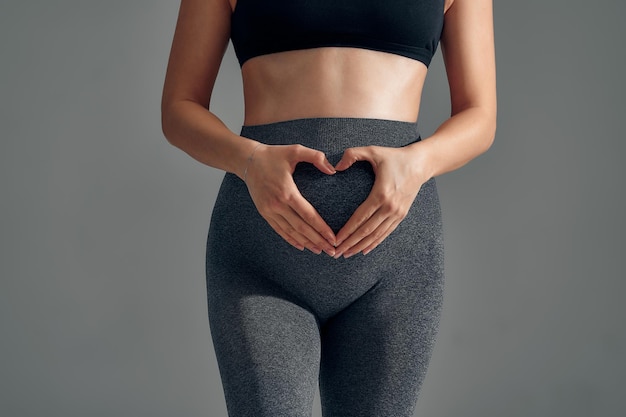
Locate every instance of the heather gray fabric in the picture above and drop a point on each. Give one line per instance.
(283, 320)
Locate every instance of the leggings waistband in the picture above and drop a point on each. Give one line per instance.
(334, 134)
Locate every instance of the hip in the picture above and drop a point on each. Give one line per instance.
(242, 244)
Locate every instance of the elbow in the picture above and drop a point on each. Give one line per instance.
(167, 124)
(482, 127)
(482, 120)
(488, 127)
(165, 129)
(490, 134)
(481, 115)
(491, 123)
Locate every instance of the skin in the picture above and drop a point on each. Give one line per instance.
(331, 82)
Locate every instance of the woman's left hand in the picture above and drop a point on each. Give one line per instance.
(400, 173)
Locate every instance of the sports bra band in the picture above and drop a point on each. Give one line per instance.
(410, 28)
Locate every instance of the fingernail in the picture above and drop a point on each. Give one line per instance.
(316, 250)
(348, 254)
(330, 166)
(330, 252)
(337, 255)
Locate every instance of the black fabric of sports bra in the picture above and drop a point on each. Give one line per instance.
(411, 28)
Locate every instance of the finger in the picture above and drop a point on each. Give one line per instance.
(306, 226)
(316, 158)
(385, 235)
(307, 213)
(293, 242)
(291, 224)
(288, 228)
(361, 215)
(380, 233)
(352, 155)
(366, 229)
(303, 228)
(296, 239)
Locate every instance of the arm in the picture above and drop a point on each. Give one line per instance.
(200, 41)
(469, 55)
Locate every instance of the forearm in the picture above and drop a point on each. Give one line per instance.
(202, 135)
(458, 140)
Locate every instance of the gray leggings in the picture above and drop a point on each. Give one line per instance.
(283, 321)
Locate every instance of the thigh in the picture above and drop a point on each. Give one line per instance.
(375, 353)
(267, 346)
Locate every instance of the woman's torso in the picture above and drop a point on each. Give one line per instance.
(331, 82)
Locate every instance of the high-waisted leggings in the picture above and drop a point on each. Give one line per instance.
(284, 321)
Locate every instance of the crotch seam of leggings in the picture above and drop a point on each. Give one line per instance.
(369, 290)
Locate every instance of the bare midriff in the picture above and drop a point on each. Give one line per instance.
(331, 82)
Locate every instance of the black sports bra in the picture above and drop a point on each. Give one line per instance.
(411, 28)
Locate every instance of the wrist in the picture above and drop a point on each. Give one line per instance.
(422, 158)
(249, 161)
(243, 156)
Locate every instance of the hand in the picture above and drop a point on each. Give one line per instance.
(399, 177)
(269, 178)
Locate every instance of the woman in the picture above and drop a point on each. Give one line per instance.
(329, 159)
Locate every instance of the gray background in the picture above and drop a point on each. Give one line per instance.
(103, 223)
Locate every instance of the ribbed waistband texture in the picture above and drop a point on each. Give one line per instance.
(334, 134)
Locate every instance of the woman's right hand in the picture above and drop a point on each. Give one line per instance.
(269, 177)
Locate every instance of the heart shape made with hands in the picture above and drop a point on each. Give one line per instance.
(335, 197)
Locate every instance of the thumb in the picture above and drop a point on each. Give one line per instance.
(316, 158)
(350, 156)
